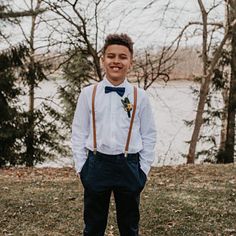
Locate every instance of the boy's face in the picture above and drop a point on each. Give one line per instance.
(116, 60)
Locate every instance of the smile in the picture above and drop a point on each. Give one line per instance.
(115, 68)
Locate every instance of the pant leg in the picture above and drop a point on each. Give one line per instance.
(96, 207)
(127, 197)
(97, 192)
(127, 208)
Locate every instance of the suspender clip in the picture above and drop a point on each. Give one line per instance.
(95, 151)
(126, 153)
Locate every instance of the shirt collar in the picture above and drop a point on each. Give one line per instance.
(106, 82)
(126, 84)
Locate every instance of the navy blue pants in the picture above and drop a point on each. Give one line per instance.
(103, 174)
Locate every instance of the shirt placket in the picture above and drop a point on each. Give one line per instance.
(112, 119)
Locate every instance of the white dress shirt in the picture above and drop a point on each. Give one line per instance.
(112, 125)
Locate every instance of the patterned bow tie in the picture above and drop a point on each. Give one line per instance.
(119, 90)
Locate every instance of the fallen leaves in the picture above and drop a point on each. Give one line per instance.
(181, 200)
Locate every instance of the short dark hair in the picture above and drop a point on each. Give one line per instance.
(120, 39)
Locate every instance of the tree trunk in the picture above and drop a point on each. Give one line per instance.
(198, 120)
(230, 139)
(30, 149)
(224, 119)
(203, 90)
(225, 91)
(30, 136)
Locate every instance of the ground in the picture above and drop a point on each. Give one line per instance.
(181, 200)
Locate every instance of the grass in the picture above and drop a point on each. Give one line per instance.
(183, 200)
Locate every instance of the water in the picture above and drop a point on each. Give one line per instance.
(172, 103)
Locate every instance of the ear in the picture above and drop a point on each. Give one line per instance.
(101, 61)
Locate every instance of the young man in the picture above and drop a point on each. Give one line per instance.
(113, 139)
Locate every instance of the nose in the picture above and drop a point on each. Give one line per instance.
(116, 59)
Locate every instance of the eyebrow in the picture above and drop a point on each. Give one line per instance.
(120, 54)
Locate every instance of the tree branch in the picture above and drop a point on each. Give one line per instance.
(11, 14)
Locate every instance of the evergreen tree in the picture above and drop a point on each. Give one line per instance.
(77, 74)
(43, 136)
(11, 119)
(18, 144)
(27, 137)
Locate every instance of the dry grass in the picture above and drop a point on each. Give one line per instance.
(183, 200)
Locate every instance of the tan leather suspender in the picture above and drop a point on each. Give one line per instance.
(131, 122)
(94, 121)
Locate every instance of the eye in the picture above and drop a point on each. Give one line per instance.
(110, 55)
(123, 57)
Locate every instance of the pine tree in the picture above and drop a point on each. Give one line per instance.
(77, 74)
(27, 137)
(11, 119)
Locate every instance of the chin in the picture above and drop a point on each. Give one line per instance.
(117, 78)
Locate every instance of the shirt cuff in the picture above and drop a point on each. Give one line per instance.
(145, 168)
(79, 163)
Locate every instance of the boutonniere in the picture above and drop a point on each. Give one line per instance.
(127, 105)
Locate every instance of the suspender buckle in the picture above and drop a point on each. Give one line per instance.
(126, 153)
(95, 151)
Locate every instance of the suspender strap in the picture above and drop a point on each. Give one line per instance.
(93, 119)
(131, 122)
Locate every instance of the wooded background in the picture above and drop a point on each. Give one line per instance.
(43, 40)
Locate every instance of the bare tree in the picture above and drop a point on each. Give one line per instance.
(30, 140)
(83, 28)
(208, 70)
(6, 12)
(150, 66)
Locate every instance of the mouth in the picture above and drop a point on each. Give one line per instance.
(115, 68)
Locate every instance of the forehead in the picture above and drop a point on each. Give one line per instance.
(117, 49)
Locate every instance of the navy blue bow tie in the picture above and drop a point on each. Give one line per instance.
(119, 90)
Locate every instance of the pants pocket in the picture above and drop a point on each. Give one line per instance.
(89, 171)
(84, 172)
(86, 169)
(143, 176)
(83, 167)
(137, 178)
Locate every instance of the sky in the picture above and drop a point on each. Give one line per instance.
(155, 24)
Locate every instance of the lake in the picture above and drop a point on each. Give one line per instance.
(172, 103)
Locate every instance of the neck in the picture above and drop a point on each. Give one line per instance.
(116, 83)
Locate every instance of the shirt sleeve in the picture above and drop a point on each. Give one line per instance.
(80, 131)
(148, 134)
